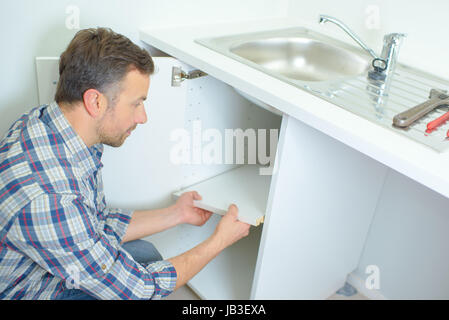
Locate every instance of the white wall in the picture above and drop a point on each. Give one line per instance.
(30, 28)
(425, 23)
(408, 238)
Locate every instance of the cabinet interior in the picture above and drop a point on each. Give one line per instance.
(151, 180)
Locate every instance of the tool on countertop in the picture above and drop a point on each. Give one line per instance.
(432, 125)
(437, 98)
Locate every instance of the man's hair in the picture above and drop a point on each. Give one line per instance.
(98, 59)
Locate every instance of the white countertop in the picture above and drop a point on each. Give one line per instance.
(398, 152)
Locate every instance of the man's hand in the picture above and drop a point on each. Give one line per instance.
(147, 222)
(229, 229)
(187, 212)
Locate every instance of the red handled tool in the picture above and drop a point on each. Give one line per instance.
(437, 122)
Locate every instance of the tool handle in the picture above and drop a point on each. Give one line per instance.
(406, 118)
(437, 122)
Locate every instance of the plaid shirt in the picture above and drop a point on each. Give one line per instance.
(55, 229)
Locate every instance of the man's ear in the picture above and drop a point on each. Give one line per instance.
(94, 102)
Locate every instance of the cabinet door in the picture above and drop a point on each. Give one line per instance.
(140, 174)
(322, 200)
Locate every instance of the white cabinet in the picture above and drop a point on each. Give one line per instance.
(317, 204)
(319, 210)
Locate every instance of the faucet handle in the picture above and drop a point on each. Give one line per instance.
(394, 38)
(390, 50)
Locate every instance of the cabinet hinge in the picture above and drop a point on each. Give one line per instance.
(178, 75)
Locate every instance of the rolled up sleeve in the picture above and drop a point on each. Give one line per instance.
(115, 222)
(60, 234)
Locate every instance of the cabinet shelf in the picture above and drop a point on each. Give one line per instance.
(243, 186)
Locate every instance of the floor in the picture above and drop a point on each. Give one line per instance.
(357, 296)
(185, 293)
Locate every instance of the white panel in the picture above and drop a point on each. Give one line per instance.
(47, 72)
(140, 174)
(212, 104)
(244, 186)
(319, 211)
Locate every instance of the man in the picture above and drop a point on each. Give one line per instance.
(58, 239)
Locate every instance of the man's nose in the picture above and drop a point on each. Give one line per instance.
(141, 116)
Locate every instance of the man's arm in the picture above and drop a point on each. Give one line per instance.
(147, 222)
(228, 231)
(188, 264)
(58, 233)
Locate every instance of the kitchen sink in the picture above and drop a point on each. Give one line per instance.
(338, 73)
(294, 54)
(302, 58)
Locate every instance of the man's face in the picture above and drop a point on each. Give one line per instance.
(118, 121)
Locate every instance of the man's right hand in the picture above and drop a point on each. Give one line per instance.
(230, 229)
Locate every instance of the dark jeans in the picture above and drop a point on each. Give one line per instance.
(142, 251)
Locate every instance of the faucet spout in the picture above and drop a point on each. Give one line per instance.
(325, 18)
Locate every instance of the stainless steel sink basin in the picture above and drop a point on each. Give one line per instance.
(302, 58)
(296, 54)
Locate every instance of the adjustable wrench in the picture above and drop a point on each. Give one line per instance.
(437, 98)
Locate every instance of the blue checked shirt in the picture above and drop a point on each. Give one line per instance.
(56, 232)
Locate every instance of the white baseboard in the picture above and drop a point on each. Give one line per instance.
(359, 283)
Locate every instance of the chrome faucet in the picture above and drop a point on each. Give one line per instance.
(383, 65)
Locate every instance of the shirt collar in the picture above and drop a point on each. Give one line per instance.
(89, 159)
